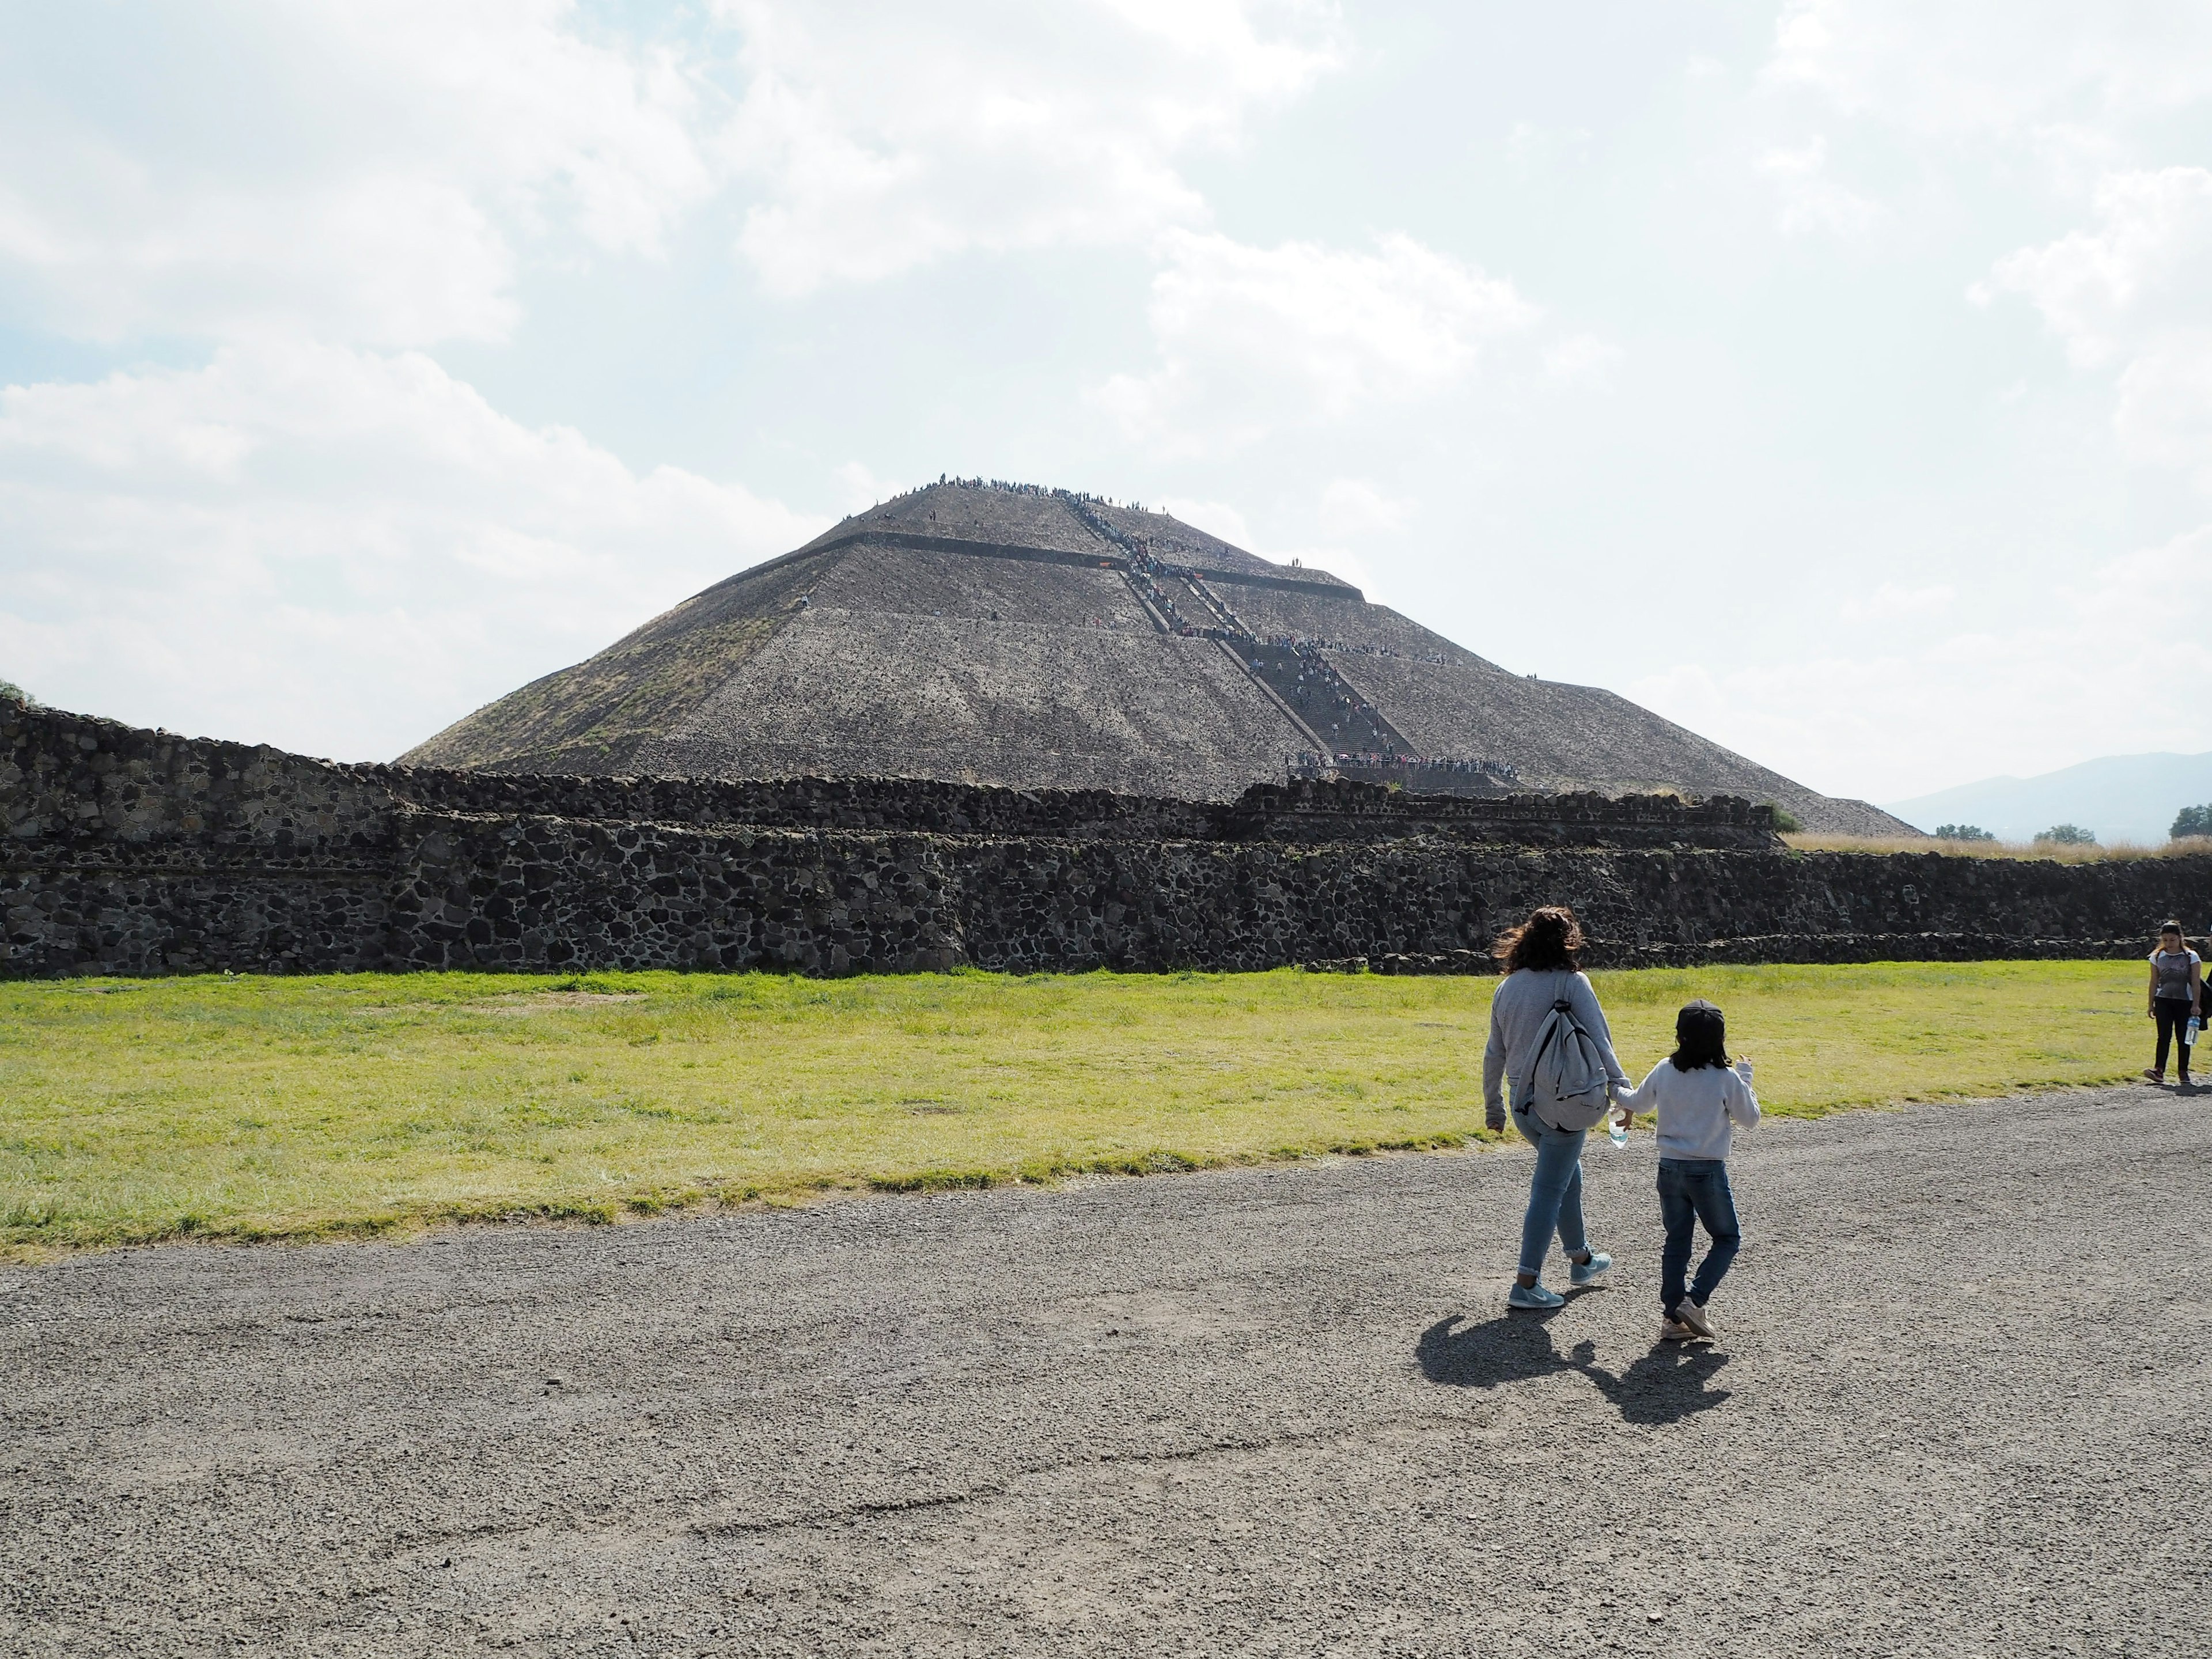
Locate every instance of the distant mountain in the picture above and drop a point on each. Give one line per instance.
(2121, 797)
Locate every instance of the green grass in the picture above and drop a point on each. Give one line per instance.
(255, 1108)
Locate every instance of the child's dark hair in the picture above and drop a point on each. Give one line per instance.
(1550, 939)
(1700, 1037)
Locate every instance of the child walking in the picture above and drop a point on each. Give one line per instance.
(1700, 1102)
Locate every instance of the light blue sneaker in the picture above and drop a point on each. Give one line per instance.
(1585, 1272)
(1534, 1295)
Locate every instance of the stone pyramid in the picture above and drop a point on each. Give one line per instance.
(1038, 638)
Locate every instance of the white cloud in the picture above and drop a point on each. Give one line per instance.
(2130, 292)
(862, 488)
(2163, 413)
(1902, 722)
(1582, 360)
(1353, 507)
(2148, 263)
(1214, 518)
(352, 171)
(1812, 202)
(369, 171)
(1251, 338)
(1999, 69)
(1889, 600)
(327, 548)
(882, 138)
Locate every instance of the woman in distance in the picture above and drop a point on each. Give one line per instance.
(1541, 959)
(2177, 990)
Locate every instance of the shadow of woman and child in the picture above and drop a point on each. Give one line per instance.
(1665, 1386)
(1549, 1042)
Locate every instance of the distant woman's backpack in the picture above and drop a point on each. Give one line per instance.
(1567, 1084)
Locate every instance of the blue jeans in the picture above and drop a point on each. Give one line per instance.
(1691, 1190)
(1555, 1191)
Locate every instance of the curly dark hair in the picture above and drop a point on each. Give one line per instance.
(1550, 939)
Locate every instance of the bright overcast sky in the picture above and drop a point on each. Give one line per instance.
(1834, 377)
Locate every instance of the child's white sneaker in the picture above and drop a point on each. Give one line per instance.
(1695, 1316)
(1674, 1330)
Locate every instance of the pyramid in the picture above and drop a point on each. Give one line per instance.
(1004, 634)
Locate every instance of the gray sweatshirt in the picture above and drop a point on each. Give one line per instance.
(1517, 1013)
(1698, 1109)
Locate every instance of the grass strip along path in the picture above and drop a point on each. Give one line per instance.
(265, 1108)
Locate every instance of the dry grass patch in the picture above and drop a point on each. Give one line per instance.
(2057, 851)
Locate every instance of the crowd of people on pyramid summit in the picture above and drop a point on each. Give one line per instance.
(1004, 487)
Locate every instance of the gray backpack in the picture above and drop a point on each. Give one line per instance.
(1567, 1083)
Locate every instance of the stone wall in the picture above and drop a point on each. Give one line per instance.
(131, 851)
(1308, 809)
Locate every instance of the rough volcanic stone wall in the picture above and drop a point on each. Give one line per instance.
(887, 804)
(133, 851)
(1306, 810)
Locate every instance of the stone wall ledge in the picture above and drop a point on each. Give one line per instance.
(1862, 948)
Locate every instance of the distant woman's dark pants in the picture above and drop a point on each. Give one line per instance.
(2172, 1014)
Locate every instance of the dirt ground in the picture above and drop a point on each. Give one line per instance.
(1959, 1407)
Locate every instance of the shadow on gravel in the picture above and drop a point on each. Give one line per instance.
(1665, 1386)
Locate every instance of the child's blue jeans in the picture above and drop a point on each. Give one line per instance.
(1691, 1190)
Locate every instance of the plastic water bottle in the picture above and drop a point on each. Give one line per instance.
(1617, 1129)
(2196, 1025)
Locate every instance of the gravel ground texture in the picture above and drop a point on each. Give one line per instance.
(1958, 1407)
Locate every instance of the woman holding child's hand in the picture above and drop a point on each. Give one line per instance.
(1540, 958)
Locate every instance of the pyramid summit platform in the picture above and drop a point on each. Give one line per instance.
(1035, 638)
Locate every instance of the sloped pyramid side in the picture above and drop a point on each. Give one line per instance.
(876, 651)
(593, 719)
(996, 635)
(1038, 705)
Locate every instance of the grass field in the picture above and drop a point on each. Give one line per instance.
(254, 1108)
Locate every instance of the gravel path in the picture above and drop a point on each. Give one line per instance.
(1959, 1408)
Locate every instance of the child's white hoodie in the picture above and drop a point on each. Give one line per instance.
(1698, 1109)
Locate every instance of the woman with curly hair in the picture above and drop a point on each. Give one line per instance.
(1542, 959)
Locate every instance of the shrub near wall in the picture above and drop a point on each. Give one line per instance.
(133, 851)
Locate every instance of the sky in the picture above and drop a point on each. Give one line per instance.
(1832, 376)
